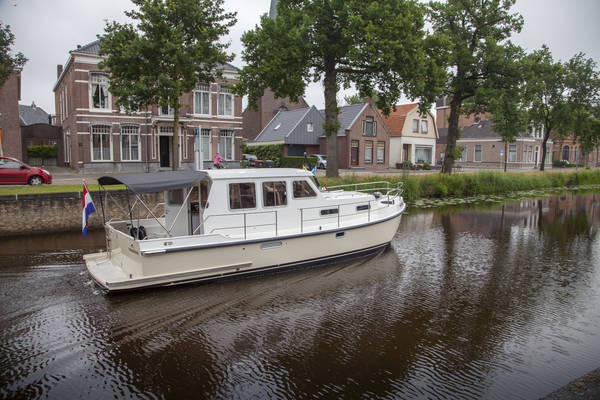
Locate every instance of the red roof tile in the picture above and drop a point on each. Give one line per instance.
(395, 121)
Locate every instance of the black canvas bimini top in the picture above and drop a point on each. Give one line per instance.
(155, 182)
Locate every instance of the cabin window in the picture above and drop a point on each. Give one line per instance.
(329, 211)
(274, 194)
(242, 195)
(303, 189)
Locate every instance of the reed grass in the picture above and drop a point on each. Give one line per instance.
(473, 184)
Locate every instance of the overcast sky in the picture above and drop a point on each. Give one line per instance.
(46, 30)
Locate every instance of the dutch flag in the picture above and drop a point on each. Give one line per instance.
(87, 209)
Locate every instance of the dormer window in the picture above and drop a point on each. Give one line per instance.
(309, 127)
(99, 95)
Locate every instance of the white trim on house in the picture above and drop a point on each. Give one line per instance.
(365, 105)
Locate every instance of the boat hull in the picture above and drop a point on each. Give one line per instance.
(129, 270)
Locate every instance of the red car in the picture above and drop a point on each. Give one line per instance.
(15, 172)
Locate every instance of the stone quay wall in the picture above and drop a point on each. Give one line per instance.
(61, 212)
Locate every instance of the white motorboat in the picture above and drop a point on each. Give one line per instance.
(222, 223)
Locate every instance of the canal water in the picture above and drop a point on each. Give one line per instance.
(487, 301)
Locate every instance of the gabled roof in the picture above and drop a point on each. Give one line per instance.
(32, 114)
(282, 125)
(348, 116)
(396, 120)
(480, 130)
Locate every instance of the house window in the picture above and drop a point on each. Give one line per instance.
(575, 155)
(415, 127)
(202, 99)
(368, 152)
(423, 154)
(380, 152)
(99, 96)
(565, 153)
(512, 153)
(242, 195)
(101, 142)
(463, 154)
(477, 152)
(225, 103)
(369, 127)
(130, 143)
(205, 143)
(226, 144)
(166, 110)
(309, 127)
(424, 126)
(67, 141)
(303, 189)
(274, 194)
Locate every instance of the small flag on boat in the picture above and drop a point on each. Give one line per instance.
(88, 209)
(314, 170)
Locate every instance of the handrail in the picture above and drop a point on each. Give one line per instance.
(355, 186)
(245, 226)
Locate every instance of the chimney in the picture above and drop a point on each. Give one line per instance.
(59, 69)
(33, 105)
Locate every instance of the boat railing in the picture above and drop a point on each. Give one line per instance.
(338, 210)
(245, 224)
(368, 187)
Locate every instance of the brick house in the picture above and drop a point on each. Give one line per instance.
(569, 150)
(97, 136)
(412, 135)
(482, 147)
(10, 130)
(363, 140)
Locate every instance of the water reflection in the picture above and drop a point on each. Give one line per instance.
(490, 302)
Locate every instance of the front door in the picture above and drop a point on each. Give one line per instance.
(537, 153)
(164, 145)
(405, 152)
(354, 153)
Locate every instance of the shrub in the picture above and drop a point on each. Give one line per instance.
(426, 166)
(42, 151)
(266, 152)
(559, 163)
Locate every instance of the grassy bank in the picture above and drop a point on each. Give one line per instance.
(415, 186)
(42, 189)
(473, 184)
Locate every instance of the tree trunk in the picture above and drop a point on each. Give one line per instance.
(452, 134)
(546, 136)
(175, 148)
(331, 117)
(505, 155)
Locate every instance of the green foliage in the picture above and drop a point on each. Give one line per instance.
(481, 183)
(266, 152)
(377, 45)
(478, 56)
(426, 166)
(173, 46)
(296, 161)
(8, 63)
(42, 151)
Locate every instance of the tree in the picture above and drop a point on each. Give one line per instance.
(8, 63)
(560, 96)
(478, 50)
(379, 46)
(353, 99)
(173, 47)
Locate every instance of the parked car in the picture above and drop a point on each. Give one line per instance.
(321, 160)
(15, 172)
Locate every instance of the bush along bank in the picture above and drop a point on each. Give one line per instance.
(474, 184)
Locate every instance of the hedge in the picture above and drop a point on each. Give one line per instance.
(266, 152)
(42, 151)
